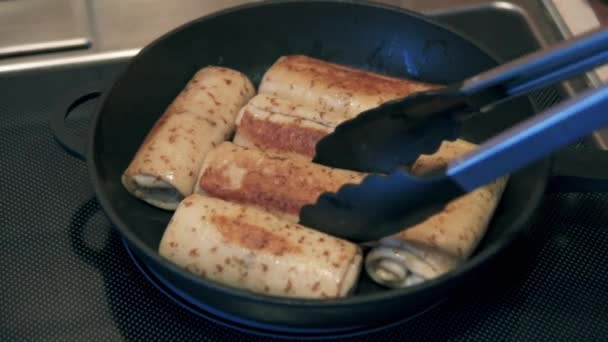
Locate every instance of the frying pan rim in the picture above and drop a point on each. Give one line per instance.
(141, 247)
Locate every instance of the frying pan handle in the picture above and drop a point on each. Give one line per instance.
(75, 144)
(575, 170)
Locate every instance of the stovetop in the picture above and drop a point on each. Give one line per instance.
(65, 274)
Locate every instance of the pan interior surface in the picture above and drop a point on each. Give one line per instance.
(250, 39)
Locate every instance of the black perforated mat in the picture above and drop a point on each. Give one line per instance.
(66, 276)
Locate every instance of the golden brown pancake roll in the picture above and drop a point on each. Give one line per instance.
(248, 248)
(278, 184)
(328, 87)
(277, 125)
(167, 163)
(443, 241)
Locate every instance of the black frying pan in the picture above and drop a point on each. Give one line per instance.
(250, 38)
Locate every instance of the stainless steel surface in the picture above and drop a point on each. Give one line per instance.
(134, 23)
(545, 67)
(129, 25)
(575, 25)
(41, 26)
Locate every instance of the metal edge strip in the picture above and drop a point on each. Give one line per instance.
(43, 47)
(71, 60)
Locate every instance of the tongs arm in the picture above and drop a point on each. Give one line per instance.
(383, 205)
(532, 139)
(396, 133)
(542, 68)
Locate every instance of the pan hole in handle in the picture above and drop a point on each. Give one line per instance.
(70, 118)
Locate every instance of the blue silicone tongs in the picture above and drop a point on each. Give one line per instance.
(391, 198)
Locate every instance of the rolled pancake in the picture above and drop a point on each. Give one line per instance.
(278, 184)
(443, 241)
(277, 125)
(246, 247)
(167, 163)
(329, 87)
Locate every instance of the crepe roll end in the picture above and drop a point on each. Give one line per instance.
(396, 268)
(347, 286)
(163, 170)
(153, 190)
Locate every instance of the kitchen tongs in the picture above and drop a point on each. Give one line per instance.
(386, 139)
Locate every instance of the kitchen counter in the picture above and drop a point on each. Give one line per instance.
(37, 34)
(72, 31)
